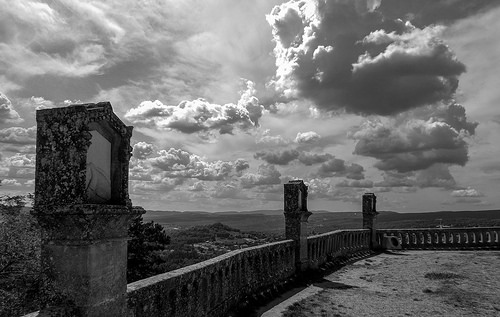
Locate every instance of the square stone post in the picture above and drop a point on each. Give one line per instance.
(83, 207)
(296, 216)
(370, 213)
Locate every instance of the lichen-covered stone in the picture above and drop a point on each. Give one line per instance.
(84, 244)
(63, 139)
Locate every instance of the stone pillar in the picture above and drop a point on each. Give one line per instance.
(296, 215)
(370, 216)
(83, 207)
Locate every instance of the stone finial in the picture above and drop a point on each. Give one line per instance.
(295, 196)
(369, 206)
(296, 216)
(370, 203)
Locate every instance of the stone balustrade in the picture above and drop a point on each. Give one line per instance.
(444, 238)
(336, 243)
(213, 287)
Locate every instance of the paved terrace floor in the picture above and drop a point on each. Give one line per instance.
(408, 283)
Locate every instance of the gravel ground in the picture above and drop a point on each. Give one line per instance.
(409, 283)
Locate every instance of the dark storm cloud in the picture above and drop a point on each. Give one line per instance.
(343, 55)
(425, 12)
(285, 157)
(415, 141)
(335, 167)
(437, 175)
(278, 158)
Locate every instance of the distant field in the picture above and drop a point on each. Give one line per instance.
(272, 221)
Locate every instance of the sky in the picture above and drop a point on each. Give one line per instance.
(230, 99)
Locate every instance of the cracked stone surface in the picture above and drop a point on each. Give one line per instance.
(411, 283)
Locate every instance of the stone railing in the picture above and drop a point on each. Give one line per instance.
(213, 287)
(322, 247)
(444, 238)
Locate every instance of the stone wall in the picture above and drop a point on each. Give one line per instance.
(445, 238)
(213, 287)
(330, 245)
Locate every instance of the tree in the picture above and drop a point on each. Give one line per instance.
(147, 241)
(19, 257)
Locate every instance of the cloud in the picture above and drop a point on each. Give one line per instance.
(161, 184)
(278, 158)
(18, 135)
(416, 140)
(7, 112)
(21, 160)
(356, 183)
(229, 191)
(176, 163)
(266, 175)
(437, 175)
(141, 150)
(240, 165)
(344, 55)
(468, 192)
(394, 179)
(267, 138)
(323, 189)
(197, 187)
(335, 167)
(10, 182)
(200, 115)
(309, 159)
(307, 137)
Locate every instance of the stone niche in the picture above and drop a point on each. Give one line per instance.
(83, 152)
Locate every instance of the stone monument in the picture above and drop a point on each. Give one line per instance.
(83, 207)
(296, 216)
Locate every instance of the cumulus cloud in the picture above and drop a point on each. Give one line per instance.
(416, 140)
(21, 160)
(197, 187)
(266, 175)
(335, 167)
(141, 150)
(309, 159)
(7, 112)
(345, 55)
(356, 183)
(176, 163)
(200, 115)
(240, 165)
(437, 175)
(267, 138)
(18, 135)
(229, 191)
(285, 157)
(322, 188)
(277, 157)
(10, 182)
(307, 137)
(468, 192)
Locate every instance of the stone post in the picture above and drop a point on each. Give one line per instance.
(83, 207)
(370, 216)
(296, 215)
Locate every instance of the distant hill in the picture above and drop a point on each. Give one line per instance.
(272, 221)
